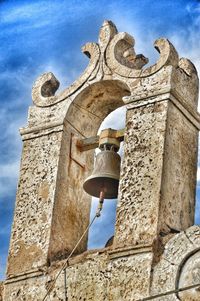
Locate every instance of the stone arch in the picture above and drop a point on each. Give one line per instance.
(72, 205)
(179, 266)
(189, 274)
(91, 106)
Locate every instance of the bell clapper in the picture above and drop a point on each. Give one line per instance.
(101, 201)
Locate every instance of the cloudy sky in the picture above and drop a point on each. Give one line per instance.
(46, 35)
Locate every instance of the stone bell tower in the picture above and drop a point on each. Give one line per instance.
(156, 247)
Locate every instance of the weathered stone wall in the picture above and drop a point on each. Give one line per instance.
(179, 267)
(157, 188)
(138, 208)
(33, 213)
(1, 291)
(69, 219)
(157, 183)
(177, 202)
(93, 276)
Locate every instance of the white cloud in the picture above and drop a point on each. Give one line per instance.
(7, 193)
(115, 120)
(10, 154)
(198, 174)
(30, 12)
(3, 261)
(9, 170)
(9, 174)
(10, 133)
(40, 14)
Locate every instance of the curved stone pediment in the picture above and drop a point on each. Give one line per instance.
(113, 57)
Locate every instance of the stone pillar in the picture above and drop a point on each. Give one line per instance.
(34, 202)
(158, 178)
(49, 213)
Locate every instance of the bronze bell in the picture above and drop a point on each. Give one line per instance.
(106, 173)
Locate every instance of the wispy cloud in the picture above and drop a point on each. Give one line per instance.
(9, 170)
(198, 175)
(115, 120)
(41, 14)
(24, 12)
(3, 260)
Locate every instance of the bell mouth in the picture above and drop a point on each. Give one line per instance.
(95, 185)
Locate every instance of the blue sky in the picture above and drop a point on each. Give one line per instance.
(39, 36)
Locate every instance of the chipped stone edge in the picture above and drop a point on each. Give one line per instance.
(165, 94)
(41, 130)
(124, 252)
(24, 276)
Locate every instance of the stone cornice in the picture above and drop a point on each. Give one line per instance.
(192, 115)
(40, 130)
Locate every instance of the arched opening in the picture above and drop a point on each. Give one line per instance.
(72, 206)
(91, 106)
(101, 233)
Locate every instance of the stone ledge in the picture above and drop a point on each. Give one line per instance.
(23, 276)
(123, 252)
(41, 130)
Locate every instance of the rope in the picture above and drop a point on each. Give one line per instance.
(98, 213)
(178, 290)
(66, 262)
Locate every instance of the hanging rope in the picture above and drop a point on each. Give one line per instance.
(98, 214)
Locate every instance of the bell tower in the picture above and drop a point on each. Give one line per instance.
(155, 243)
